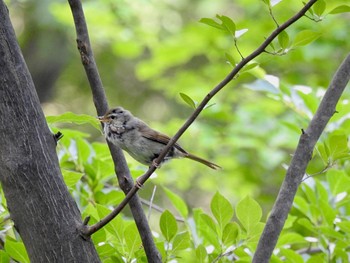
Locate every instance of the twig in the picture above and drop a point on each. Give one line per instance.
(142, 179)
(299, 162)
(100, 101)
(151, 203)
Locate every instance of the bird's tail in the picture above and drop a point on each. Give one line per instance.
(203, 161)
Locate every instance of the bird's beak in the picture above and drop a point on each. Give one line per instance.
(102, 119)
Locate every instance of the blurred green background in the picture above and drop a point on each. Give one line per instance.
(149, 51)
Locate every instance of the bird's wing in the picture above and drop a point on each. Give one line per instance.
(156, 136)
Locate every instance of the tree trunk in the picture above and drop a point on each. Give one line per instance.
(44, 213)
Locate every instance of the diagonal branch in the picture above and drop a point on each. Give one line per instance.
(100, 101)
(299, 162)
(192, 118)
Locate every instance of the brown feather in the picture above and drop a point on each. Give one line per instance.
(203, 161)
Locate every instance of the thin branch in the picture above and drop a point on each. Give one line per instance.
(101, 104)
(299, 162)
(151, 202)
(141, 180)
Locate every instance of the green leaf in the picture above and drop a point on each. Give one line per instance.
(221, 209)
(181, 241)
(292, 256)
(338, 181)
(168, 225)
(209, 222)
(319, 7)
(132, 239)
(177, 202)
(188, 100)
(230, 234)
(338, 146)
(211, 22)
(305, 37)
(344, 226)
(283, 39)
(70, 117)
(16, 250)
(340, 9)
(289, 239)
(300, 204)
(71, 177)
(310, 193)
(227, 24)
(4, 257)
(201, 254)
(249, 213)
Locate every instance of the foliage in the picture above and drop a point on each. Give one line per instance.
(251, 129)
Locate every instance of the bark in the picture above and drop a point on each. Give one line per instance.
(44, 213)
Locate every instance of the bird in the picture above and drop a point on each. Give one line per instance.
(140, 141)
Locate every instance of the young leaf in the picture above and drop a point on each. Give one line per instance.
(188, 100)
(168, 225)
(228, 24)
(305, 37)
(211, 22)
(249, 213)
(177, 202)
(221, 209)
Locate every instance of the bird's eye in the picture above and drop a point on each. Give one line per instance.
(112, 117)
(120, 112)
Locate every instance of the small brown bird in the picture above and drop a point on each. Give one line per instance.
(139, 140)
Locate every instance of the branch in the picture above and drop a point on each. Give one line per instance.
(100, 101)
(299, 162)
(141, 180)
